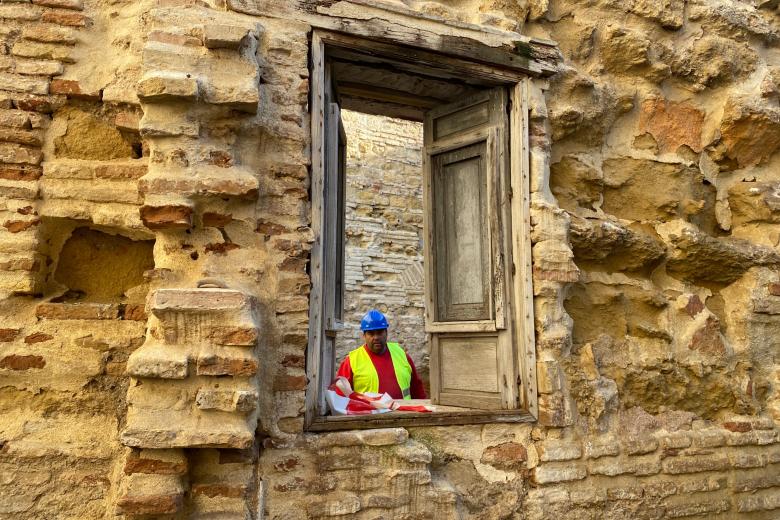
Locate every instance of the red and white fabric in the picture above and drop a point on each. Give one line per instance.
(342, 400)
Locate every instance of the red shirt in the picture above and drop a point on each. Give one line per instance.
(383, 363)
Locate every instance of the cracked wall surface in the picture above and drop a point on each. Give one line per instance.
(179, 129)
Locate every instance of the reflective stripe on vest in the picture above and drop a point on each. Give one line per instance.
(365, 377)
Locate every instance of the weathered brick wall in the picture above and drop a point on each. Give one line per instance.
(655, 225)
(384, 247)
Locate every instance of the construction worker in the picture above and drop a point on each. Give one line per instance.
(379, 366)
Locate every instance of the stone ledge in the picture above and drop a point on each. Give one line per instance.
(241, 401)
(203, 181)
(150, 434)
(160, 361)
(157, 87)
(223, 36)
(198, 300)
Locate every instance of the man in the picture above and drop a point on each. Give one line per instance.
(379, 366)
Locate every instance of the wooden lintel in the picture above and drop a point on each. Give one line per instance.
(415, 45)
(382, 108)
(386, 94)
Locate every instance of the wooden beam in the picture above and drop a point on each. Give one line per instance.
(382, 108)
(387, 94)
(519, 54)
(399, 49)
(406, 419)
(313, 348)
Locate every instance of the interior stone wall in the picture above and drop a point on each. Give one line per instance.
(654, 214)
(384, 236)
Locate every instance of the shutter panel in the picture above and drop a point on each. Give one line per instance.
(327, 257)
(473, 360)
(333, 229)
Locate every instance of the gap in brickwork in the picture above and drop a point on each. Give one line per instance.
(384, 232)
(98, 266)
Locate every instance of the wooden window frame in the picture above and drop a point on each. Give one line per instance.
(517, 85)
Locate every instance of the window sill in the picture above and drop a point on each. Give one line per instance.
(443, 416)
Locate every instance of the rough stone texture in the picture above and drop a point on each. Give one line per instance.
(655, 232)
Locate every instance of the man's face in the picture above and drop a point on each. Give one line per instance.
(376, 340)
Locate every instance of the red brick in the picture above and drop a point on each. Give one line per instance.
(505, 456)
(42, 104)
(774, 289)
(37, 337)
(72, 89)
(20, 362)
(135, 312)
(708, 339)
(294, 361)
(240, 336)
(215, 365)
(216, 219)
(49, 33)
(694, 306)
(737, 426)
(20, 172)
(270, 228)
(221, 248)
(121, 171)
(7, 335)
(286, 383)
(17, 226)
(69, 18)
(77, 311)
(150, 504)
(167, 217)
(65, 4)
(136, 464)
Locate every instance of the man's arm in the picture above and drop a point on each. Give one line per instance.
(416, 387)
(345, 370)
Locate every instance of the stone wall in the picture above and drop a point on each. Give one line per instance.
(384, 247)
(182, 127)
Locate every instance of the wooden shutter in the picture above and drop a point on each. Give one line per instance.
(333, 229)
(473, 358)
(327, 257)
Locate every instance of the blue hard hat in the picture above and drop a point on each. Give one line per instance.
(373, 320)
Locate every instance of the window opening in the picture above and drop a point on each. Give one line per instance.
(383, 248)
(421, 228)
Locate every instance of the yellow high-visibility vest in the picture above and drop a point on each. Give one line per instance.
(364, 374)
